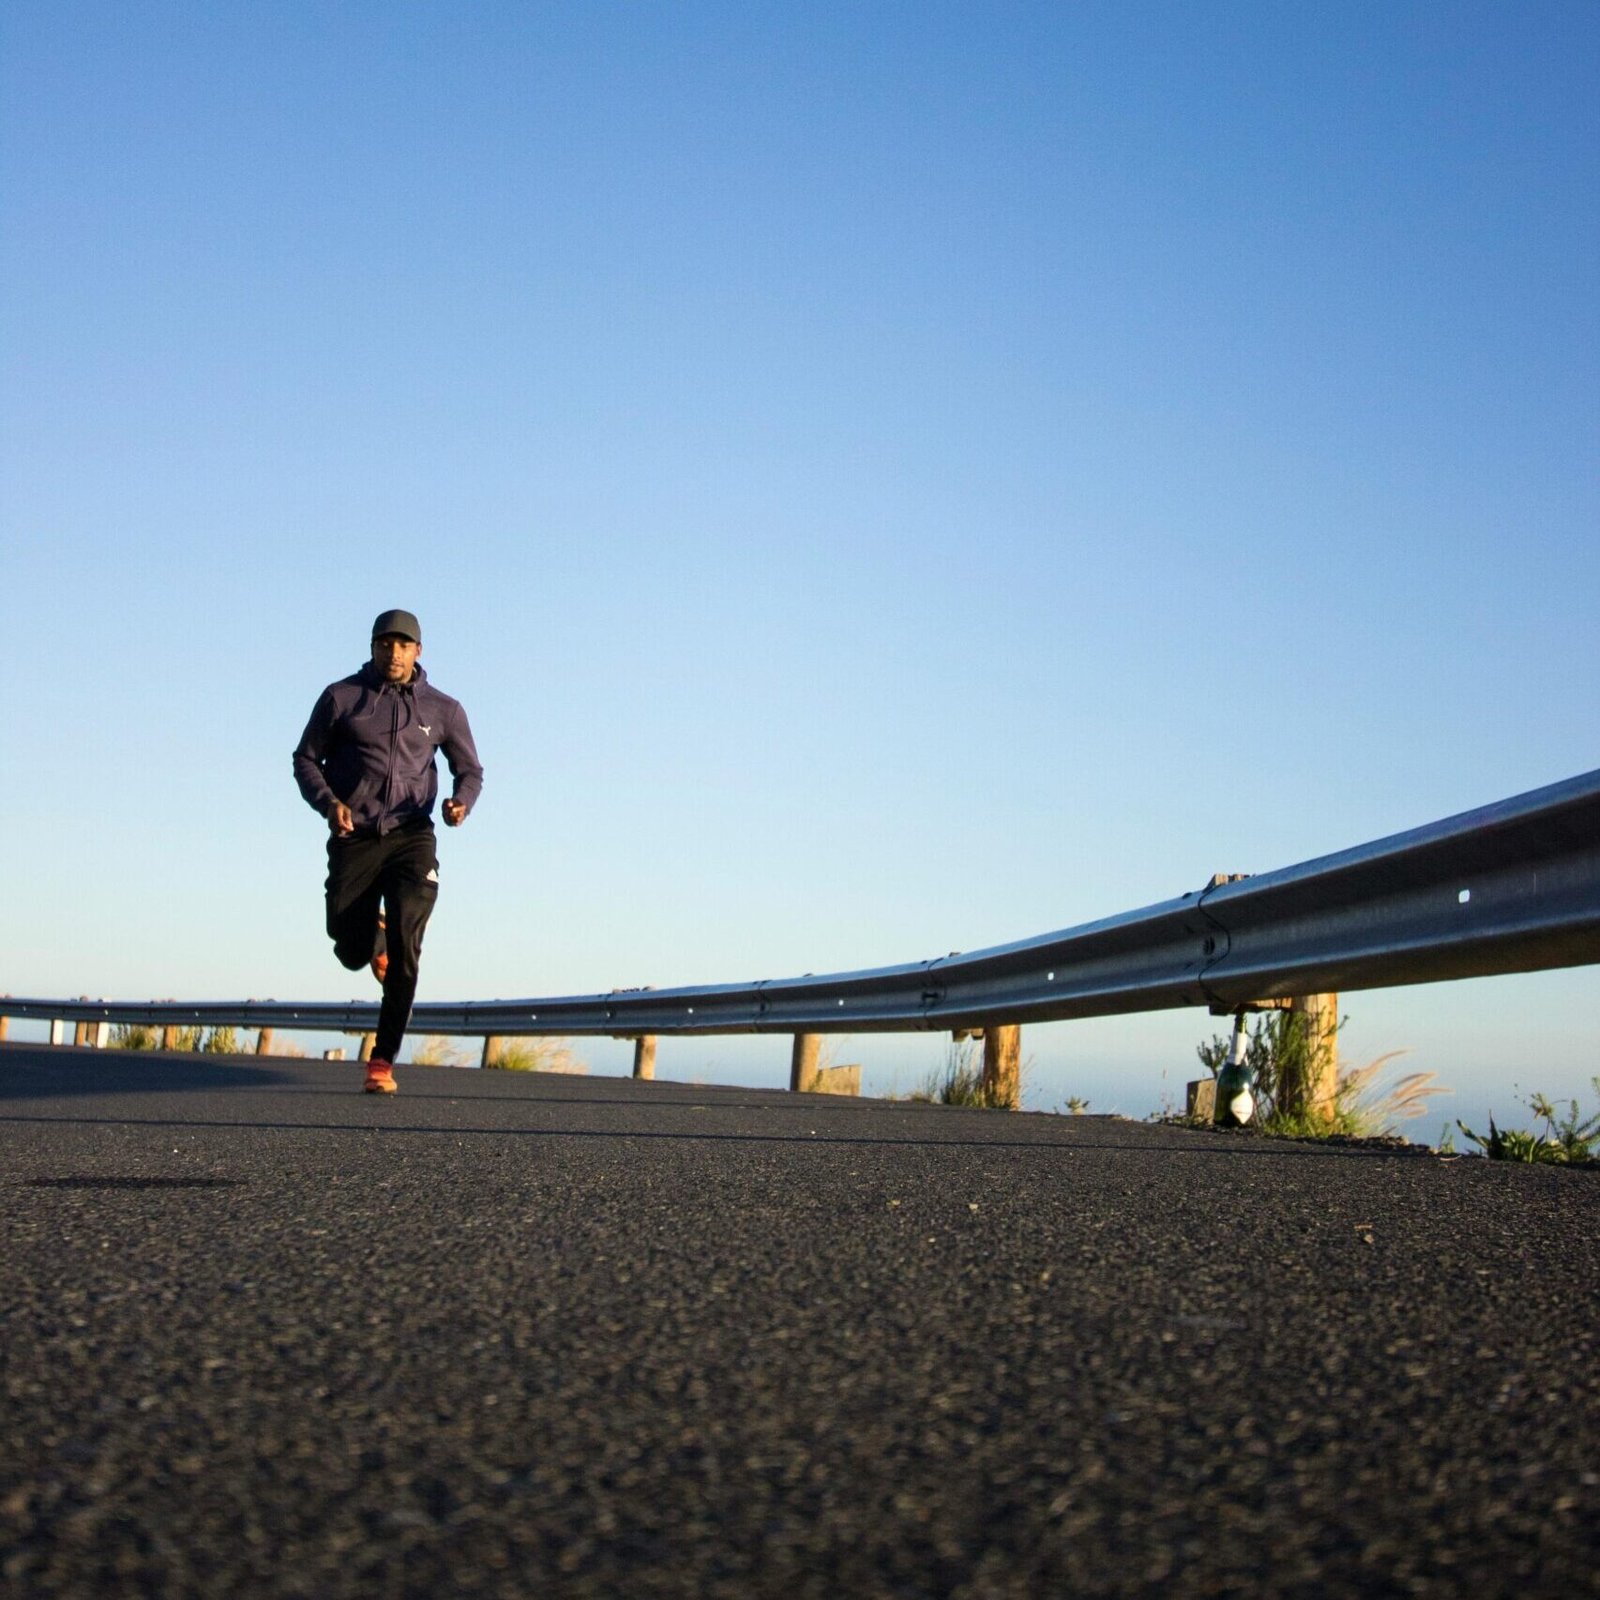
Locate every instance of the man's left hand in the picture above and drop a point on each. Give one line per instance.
(454, 813)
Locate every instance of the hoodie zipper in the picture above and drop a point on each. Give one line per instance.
(394, 749)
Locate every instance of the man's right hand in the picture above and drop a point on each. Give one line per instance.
(340, 820)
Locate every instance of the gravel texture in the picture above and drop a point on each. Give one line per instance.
(506, 1334)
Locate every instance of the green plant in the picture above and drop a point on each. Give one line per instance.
(1565, 1139)
(132, 1036)
(1077, 1105)
(1576, 1136)
(1281, 1055)
(1515, 1145)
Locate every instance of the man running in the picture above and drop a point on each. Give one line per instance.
(366, 762)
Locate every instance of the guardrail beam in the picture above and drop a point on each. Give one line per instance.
(1511, 887)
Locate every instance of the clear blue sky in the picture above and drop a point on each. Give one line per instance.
(883, 478)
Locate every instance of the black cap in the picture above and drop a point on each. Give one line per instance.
(401, 622)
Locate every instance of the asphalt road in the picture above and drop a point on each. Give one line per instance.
(508, 1334)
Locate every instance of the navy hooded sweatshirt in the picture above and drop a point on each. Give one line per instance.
(371, 744)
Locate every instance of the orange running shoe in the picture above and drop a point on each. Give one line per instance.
(380, 1077)
(380, 955)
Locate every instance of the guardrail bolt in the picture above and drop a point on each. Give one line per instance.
(1236, 1105)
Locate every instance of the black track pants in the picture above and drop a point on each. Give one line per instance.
(400, 871)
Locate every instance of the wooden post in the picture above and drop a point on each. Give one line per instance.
(842, 1079)
(644, 1056)
(803, 1063)
(1002, 1065)
(58, 1031)
(80, 1034)
(1319, 1093)
(364, 1053)
(5, 1022)
(169, 1036)
(491, 1051)
(264, 1042)
(101, 1036)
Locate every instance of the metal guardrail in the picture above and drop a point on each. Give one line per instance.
(1510, 887)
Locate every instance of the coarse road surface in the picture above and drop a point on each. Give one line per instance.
(515, 1334)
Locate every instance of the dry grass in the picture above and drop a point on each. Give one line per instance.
(436, 1050)
(1363, 1106)
(135, 1036)
(1376, 1108)
(540, 1055)
(960, 1081)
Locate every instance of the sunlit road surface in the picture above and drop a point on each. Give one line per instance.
(522, 1335)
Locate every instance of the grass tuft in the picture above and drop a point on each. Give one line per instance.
(539, 1055)
(436, 1050)
(959, 1082)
